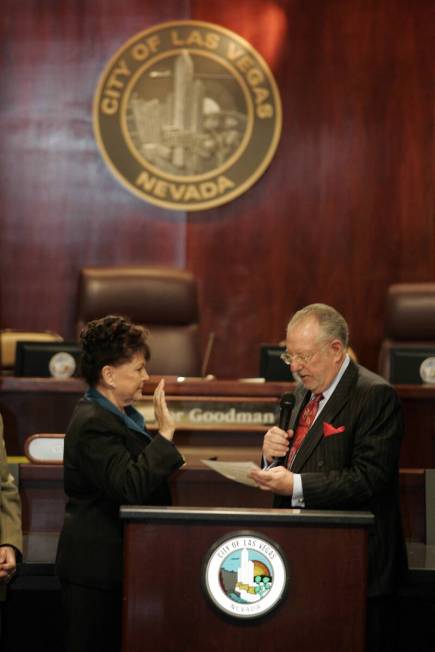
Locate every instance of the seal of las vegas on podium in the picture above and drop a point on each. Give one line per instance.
(245, 575)
(187, 115)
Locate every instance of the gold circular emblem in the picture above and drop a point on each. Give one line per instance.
(187, 115)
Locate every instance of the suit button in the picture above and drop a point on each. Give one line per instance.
(320, 463)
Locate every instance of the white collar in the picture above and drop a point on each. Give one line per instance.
(327, 393)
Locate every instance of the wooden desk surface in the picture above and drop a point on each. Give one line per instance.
(188, 387)
(30, 405)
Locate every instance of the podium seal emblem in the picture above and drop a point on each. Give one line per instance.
(245, 575)
(187, 115)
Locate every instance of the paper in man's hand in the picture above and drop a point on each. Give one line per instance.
(237, 471)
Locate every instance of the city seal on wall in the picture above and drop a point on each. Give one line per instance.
(187, 115)
(245, 575)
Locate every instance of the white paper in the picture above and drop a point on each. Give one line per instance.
(237, 471)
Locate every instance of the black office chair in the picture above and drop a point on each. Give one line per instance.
(409, 331)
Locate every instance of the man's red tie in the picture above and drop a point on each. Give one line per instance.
(304, 424)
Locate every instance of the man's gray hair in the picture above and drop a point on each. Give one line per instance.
(332, 323)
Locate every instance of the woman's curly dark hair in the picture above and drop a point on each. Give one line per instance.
(111, 340)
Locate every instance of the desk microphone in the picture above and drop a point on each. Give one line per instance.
(207, 354)
(286, 404)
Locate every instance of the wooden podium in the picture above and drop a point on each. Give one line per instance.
(166, 605)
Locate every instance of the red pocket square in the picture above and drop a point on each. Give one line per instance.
(329, 429)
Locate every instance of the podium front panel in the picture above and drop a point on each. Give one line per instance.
(166, 603)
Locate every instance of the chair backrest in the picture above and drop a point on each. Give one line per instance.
(409, 324)
(162, 299)
(8, 343)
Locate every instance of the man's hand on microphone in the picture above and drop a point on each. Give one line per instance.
(279, 480)
(276, 443)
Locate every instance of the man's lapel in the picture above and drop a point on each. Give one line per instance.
(335, 404)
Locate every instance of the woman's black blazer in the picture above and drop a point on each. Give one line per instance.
(106, 465)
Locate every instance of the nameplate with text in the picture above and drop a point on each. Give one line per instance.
(224, 414)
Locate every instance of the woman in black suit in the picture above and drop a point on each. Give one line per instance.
(109, 460)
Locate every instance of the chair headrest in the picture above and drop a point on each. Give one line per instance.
(410, 312)
(148, 295)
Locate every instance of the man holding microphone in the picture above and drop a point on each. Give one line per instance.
(341, 451)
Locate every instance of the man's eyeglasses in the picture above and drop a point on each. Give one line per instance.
(303, 358)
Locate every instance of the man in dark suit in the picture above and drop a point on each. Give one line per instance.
(341, 451)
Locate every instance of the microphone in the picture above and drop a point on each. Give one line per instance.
(286, 404)
(207, 354)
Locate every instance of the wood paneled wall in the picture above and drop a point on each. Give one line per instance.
(345, 208)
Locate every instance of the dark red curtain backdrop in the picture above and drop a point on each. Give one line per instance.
(345, 209)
